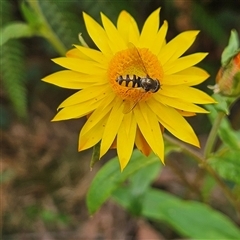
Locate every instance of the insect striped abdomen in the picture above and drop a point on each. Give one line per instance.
(127, 81)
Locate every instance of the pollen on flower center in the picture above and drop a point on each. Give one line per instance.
(131, 64)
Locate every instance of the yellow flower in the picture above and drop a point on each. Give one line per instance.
(133, 87)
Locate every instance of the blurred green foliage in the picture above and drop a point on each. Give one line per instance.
(26, 50)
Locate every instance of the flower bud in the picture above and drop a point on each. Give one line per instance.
(228, 77)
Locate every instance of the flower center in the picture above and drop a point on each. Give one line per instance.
(135, 74)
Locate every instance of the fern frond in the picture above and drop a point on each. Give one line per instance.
(12, 67)
(14, 76)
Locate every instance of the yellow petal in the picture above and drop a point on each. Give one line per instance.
(142, 144)
(177, 46)
(183, 63)
(73, 80)
(149, 126)
(116, 41)
(173, 122)
(159, 40)
(128, 28)
(75, 106)
(179, 104)
(150, 29)
(91, 94)
(190, 77)
(93, 54)
(93, 129)
(97, 115)
(79, 65)
(186, 114)
(125, 139)
(112, 126)
(76, 111)
(156, 130)
(93, 136)
(98, 35)
(75, 53)
(186, 93)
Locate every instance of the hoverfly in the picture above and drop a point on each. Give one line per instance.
(143, 83)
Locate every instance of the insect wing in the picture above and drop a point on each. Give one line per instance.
(130, 105)
(136, 56)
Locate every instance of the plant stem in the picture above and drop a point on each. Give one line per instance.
(46, 30)
(203, 163)
(213, 134)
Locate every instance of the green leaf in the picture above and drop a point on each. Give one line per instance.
(231, 49)
(227, 165)
(229, 136)
(222, 105)
(207, 186)
(139, 184)
(15, 30)
(144, 177)
(95, 155)
(109, 178)
(188, 218)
